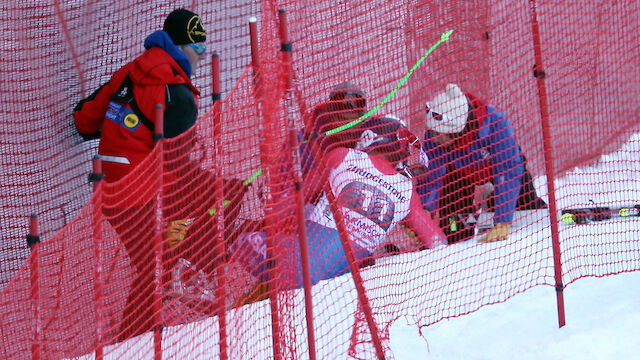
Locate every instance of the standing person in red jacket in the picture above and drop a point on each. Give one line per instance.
(119, 113)
(161, 75)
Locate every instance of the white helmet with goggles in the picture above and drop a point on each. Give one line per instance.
(447, 112)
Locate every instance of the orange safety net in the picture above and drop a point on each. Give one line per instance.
(196, 252)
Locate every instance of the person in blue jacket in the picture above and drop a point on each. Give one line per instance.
(471, 148)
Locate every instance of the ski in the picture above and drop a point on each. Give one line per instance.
(595, 214)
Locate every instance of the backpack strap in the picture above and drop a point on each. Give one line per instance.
(125, 95)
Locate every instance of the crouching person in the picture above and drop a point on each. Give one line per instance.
(373, 187)
(473, 153)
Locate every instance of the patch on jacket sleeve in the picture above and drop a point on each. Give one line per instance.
(123, 116)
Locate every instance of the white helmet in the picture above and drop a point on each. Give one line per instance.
(447, 112)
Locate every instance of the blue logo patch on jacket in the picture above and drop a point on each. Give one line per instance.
(123, 115)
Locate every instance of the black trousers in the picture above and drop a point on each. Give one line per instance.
(456, 202)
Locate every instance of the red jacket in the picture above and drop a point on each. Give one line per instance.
(128, 139)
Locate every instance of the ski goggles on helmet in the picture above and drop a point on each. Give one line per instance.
(431, 113)
(198, 48)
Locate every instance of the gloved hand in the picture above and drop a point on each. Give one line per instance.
(412, 234)
(177, 231)
(499, 232)
(87, 137)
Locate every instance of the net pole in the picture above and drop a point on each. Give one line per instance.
(215, 79)
(346, 244)
(255, 55)
(220, 247)
(304, 249)
(538, 72)
(158, 134)
(265, 128)
(285, 48)
(95, 177)
(285, 45)
(33, 241)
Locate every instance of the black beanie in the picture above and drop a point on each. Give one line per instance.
(184, 27)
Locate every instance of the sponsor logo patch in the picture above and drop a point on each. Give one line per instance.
(123, 115)
(131, 121)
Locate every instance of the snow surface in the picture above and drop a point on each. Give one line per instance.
(602, 314)
(602, 322)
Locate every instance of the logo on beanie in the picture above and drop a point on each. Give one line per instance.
(195, 30)
(131, 121)
(184, 27)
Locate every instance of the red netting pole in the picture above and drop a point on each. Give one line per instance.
(95, 177)
(348, 250)
(255, 56)
(221, 293)
(285, 44)
(304, 249)
(285, 48)
(538, 72)
(158, 134)
(273, 296)
(215, 74)
(33, 240)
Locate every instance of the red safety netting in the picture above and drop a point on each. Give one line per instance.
(150, 265)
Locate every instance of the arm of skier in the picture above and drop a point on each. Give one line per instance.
(420, 222)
